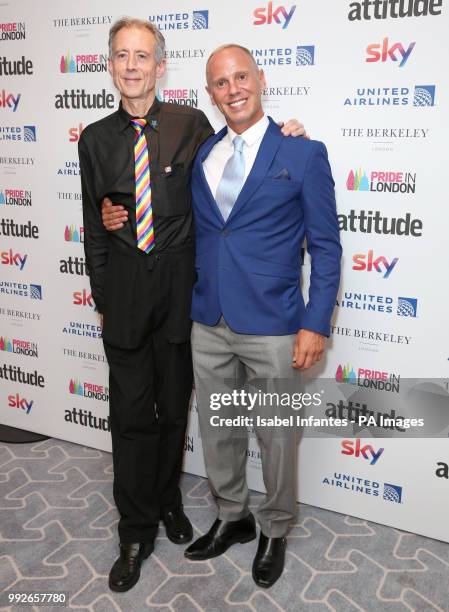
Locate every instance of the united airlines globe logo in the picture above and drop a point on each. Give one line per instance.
(407, 307)
(305, 56)
(424, 95)
(200, 20)
(392, 493)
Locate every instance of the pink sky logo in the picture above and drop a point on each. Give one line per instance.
(9, 258)
(15, 401)
(20, 347)
(92, 62)
(355, 448)
(83, 298)
(381, 181)
(73, 234)
(367, 378)
(367, 262)
(269, 14)
(9, 100)
(90, 390)
(383, 51)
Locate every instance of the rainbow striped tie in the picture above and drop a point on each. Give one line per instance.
(144, 210)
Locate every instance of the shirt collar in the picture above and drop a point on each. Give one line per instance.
(252, 134)
(152, 116)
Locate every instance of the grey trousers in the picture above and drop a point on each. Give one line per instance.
(224, 360)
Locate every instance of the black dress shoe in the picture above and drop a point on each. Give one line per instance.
(126, 570)
(220, 537)
(177, 526)
(269, 561)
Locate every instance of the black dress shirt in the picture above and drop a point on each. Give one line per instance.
(106, 151)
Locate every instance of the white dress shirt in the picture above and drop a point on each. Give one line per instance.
(220, 153)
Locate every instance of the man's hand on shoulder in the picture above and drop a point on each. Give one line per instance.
(293, 128)
(308, 349)
(114, 216)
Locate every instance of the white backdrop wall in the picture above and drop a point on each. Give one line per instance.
(371, 85)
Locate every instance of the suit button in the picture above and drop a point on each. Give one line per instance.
(225, 233)
(157, 257)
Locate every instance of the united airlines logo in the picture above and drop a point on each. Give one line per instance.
(424, 95)
(200, 20)
(392, 493)
(305, 56)
(197, 20)
(407, 307)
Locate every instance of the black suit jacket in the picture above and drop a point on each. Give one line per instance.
(132, 300)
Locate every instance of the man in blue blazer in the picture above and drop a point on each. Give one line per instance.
(256, 196)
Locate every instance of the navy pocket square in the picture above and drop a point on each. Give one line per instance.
(282, 174)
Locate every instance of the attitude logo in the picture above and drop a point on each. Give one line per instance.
(355, 448)
(370, 379)
(19, 347)
(442, 470)
(367, 262)
(380, 180)
(369, 222)
(73, 265)
(73, 233)
(197, 20)
(71, 64)
(83, 298)
(21, 290)
(27, 133)
(17, 374)
(383, 51)
(79, 98)
(12, 31)
(15, 197)
(184, 97)
(8, 227)
(9, 101)
(90, 390)
(396, 9)
(77, 416)
(383, 304)
(15, 401)
(82, 330)
(268, 15)
(9, 258)
(15, 67)
(420, 95)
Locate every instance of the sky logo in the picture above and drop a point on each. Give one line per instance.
(407, 307)
(381, 52)
(424, 95)
(356, 449)
(368, 263)
(268, 15)
(305, 56)
(392, 493)
(200, 20)
(15, 401)
(9, 100)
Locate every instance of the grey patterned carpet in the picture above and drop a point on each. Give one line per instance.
(57, 533)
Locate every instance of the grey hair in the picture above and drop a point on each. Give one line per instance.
(133, 22)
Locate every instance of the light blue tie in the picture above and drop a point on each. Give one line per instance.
(232, 179)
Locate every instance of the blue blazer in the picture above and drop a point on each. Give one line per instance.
(248, 268)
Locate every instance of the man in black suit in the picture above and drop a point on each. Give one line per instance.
(144, 297)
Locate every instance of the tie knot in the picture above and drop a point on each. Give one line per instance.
(238, 143)
(138, 124)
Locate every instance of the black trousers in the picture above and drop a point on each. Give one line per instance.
(149, 391)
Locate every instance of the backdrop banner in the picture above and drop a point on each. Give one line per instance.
(366, 78)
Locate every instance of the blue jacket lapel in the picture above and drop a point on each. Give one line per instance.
(267, 150)
(202, 155)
